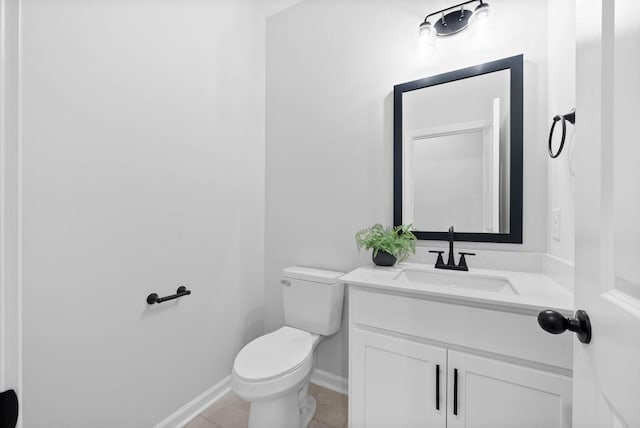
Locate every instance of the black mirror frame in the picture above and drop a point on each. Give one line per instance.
(515, 65)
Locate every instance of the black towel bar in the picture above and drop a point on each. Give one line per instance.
(181, 291)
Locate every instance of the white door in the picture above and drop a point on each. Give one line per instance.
(487, 393)
(607, 371)
(394, 382)
(9, 155)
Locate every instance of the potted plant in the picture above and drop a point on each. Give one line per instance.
(389, 245)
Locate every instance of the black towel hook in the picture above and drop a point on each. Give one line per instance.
(571, 118)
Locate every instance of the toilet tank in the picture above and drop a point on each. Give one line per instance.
(312, 299)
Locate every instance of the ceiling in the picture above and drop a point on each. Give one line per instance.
(271, 7)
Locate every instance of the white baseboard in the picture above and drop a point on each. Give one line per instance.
(330, 381)
(193, 408)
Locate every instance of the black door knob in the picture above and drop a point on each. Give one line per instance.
(554, 323)
(8, 409)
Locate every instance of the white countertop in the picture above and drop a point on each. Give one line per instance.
(536, 292)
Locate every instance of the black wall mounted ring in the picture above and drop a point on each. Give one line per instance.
(571, 117)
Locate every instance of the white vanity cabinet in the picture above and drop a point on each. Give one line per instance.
(496, 394)
(415, 362)
(393, 382)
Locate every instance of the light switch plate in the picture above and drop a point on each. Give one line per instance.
(555, 224)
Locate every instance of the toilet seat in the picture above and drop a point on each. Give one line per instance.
(273, 364)
(274, 355)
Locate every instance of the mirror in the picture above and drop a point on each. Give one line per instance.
(458, 153)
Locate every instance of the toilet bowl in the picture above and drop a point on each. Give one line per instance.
(272, 372)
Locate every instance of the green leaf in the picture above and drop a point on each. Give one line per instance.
(398, 241)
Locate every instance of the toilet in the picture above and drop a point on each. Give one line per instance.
(272, 372)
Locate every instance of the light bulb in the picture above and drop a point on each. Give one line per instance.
(427, 30)
(482, 12)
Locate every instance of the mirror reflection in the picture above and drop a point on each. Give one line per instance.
(458, 153)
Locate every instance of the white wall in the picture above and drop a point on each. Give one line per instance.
(142, 168)
(331, 68)
(562, 98)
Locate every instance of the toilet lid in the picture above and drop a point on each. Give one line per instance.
(274, 354)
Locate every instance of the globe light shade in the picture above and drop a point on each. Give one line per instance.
(427, 30)
(482, 12)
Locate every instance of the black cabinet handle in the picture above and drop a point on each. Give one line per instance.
(437, 386)
(455, 392)
(181, 291)
(553, 322)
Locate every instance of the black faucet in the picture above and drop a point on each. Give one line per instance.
(451, 263)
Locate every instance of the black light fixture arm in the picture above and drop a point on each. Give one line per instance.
(451, 8)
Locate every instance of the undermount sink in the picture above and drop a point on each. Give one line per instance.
(450, 280)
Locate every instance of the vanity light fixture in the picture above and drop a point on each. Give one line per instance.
(453, 19)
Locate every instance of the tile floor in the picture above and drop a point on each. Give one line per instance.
(233, 412)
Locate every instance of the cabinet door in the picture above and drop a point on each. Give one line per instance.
(496, 394)
(393, 382)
